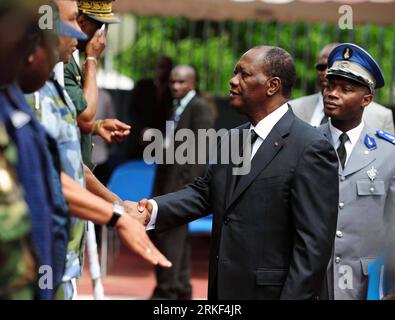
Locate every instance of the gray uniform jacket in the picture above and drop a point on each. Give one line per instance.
(366, 217)
(375, 115)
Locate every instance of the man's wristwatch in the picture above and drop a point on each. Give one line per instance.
(117, 212)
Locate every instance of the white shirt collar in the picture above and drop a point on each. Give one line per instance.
(183, 103)
(353, 134)
(59, 73)
(188, 97)
(76, 56)
(266, 125)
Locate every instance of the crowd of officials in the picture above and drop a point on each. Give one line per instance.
(306, 222)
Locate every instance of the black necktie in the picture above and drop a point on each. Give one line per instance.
(324, 120)
(341, 150)
(253, 136)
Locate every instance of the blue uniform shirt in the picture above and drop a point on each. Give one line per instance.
(41, 181)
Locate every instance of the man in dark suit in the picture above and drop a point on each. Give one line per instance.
(190, 112)
(273, 227)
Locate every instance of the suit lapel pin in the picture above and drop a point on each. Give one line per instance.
(372, 173)
(370, 142)
(275, 144)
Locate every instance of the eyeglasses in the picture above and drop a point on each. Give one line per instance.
(321, 66)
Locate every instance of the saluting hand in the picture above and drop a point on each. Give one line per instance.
(97, 44)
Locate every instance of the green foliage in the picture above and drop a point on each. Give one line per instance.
(214, 48)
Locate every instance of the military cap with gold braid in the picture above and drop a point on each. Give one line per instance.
(99, 10)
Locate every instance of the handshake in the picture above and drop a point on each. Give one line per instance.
(141, 211)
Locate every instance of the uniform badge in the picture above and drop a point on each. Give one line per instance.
(386, 136)
(19, 119)
(6, 183)
(372, 173)
(370, 142)
(347, 53)
(78, 79)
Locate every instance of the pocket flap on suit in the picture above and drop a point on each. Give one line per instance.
(364, 264)
(271, 277)
(370, 188)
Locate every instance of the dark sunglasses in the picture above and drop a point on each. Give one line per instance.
(321, 66)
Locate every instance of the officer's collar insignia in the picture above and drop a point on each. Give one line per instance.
(370, 142)
(372, 173)
(347, 53)
(386, 136)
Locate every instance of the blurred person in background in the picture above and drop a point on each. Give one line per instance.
(150, 106)
(189, 112)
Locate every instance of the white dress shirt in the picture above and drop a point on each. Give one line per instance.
(266, 125)
(262, 129)
(353, 136)
(59, 73)
(318, 113)
(76, 56)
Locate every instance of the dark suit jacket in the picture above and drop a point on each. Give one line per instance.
(272, 237)
(172, 177)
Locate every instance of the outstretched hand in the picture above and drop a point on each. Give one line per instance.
(133, 235)
(112, 130)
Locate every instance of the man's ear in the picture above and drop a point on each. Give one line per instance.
(274, 86)
(367, 99)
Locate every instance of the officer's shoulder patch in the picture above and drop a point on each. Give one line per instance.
(386, 136)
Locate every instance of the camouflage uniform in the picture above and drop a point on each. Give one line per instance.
(56, 112)
(17, 260)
